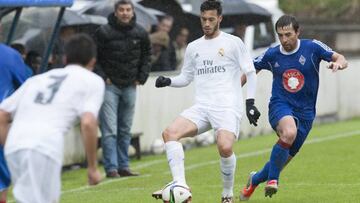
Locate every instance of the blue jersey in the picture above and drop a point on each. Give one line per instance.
(295, 75)
(13, 71)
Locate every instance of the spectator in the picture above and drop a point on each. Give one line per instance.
(239, 30)
(180, 44)
(159, 57)
(165, 25)
(33, 60)
(124, 58)
(40, 41)
(58, 52)
(20, 48)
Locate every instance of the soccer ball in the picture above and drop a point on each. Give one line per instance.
(176, 193)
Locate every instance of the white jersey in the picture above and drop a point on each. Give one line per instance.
(46, 106)
(216, 66)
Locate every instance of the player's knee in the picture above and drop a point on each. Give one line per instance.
(225, 150)
(288, 135)
(169, 135)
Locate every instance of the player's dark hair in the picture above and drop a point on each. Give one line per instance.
(211, 5)
(19, 47)
(123, 2)
(80, 49)
(287, 20)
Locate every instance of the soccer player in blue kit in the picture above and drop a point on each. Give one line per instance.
(295, 68)
(13, 72)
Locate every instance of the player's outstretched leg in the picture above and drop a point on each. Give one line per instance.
(227, 166)
(175, 157)
(278, 158)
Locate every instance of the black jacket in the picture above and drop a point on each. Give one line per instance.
(123, 52)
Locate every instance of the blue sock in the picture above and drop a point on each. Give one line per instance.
(278, 158)
(261, 176)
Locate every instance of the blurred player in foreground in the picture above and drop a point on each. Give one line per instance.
(41, 112)
(13, 73)
(215, 62)
(295, 68)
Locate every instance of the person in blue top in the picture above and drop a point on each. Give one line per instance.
(295, 68)
(13, 72)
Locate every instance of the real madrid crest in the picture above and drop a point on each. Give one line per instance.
(221, 52)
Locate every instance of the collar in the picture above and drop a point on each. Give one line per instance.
(282, 50)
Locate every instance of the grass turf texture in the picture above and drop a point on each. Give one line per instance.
(325, 170)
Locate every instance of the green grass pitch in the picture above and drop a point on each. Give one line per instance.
(327, 169)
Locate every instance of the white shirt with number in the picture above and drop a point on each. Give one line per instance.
(46, 106)
(216, 66)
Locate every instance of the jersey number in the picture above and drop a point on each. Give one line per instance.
(53, 88)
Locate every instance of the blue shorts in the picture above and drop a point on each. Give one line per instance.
(278, 111)
(4, 171)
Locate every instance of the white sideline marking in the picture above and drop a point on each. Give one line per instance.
(105, 182)
(244, 155)
(150, 163)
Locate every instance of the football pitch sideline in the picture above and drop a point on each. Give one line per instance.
(327, 169)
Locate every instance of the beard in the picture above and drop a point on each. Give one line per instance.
(211, 33)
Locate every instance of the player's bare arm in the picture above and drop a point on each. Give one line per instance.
(4, 126)
(89, 135)
(338, 62)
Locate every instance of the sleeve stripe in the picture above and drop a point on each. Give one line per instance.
(324, 46)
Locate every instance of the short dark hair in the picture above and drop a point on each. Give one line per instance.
(19, 47)
(80, 49)
(33, 58)
(211, 5)
(287, 20)
(123, 2)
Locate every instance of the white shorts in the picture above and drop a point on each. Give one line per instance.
(218, 119)
(35, 176)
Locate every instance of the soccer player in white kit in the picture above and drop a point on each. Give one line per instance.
(215, 62)
(41, 112)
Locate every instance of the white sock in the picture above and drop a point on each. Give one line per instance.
(175, 156)
(227, 167)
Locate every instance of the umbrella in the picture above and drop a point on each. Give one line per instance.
(46, 18)
(237, 11)
(145, 17)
